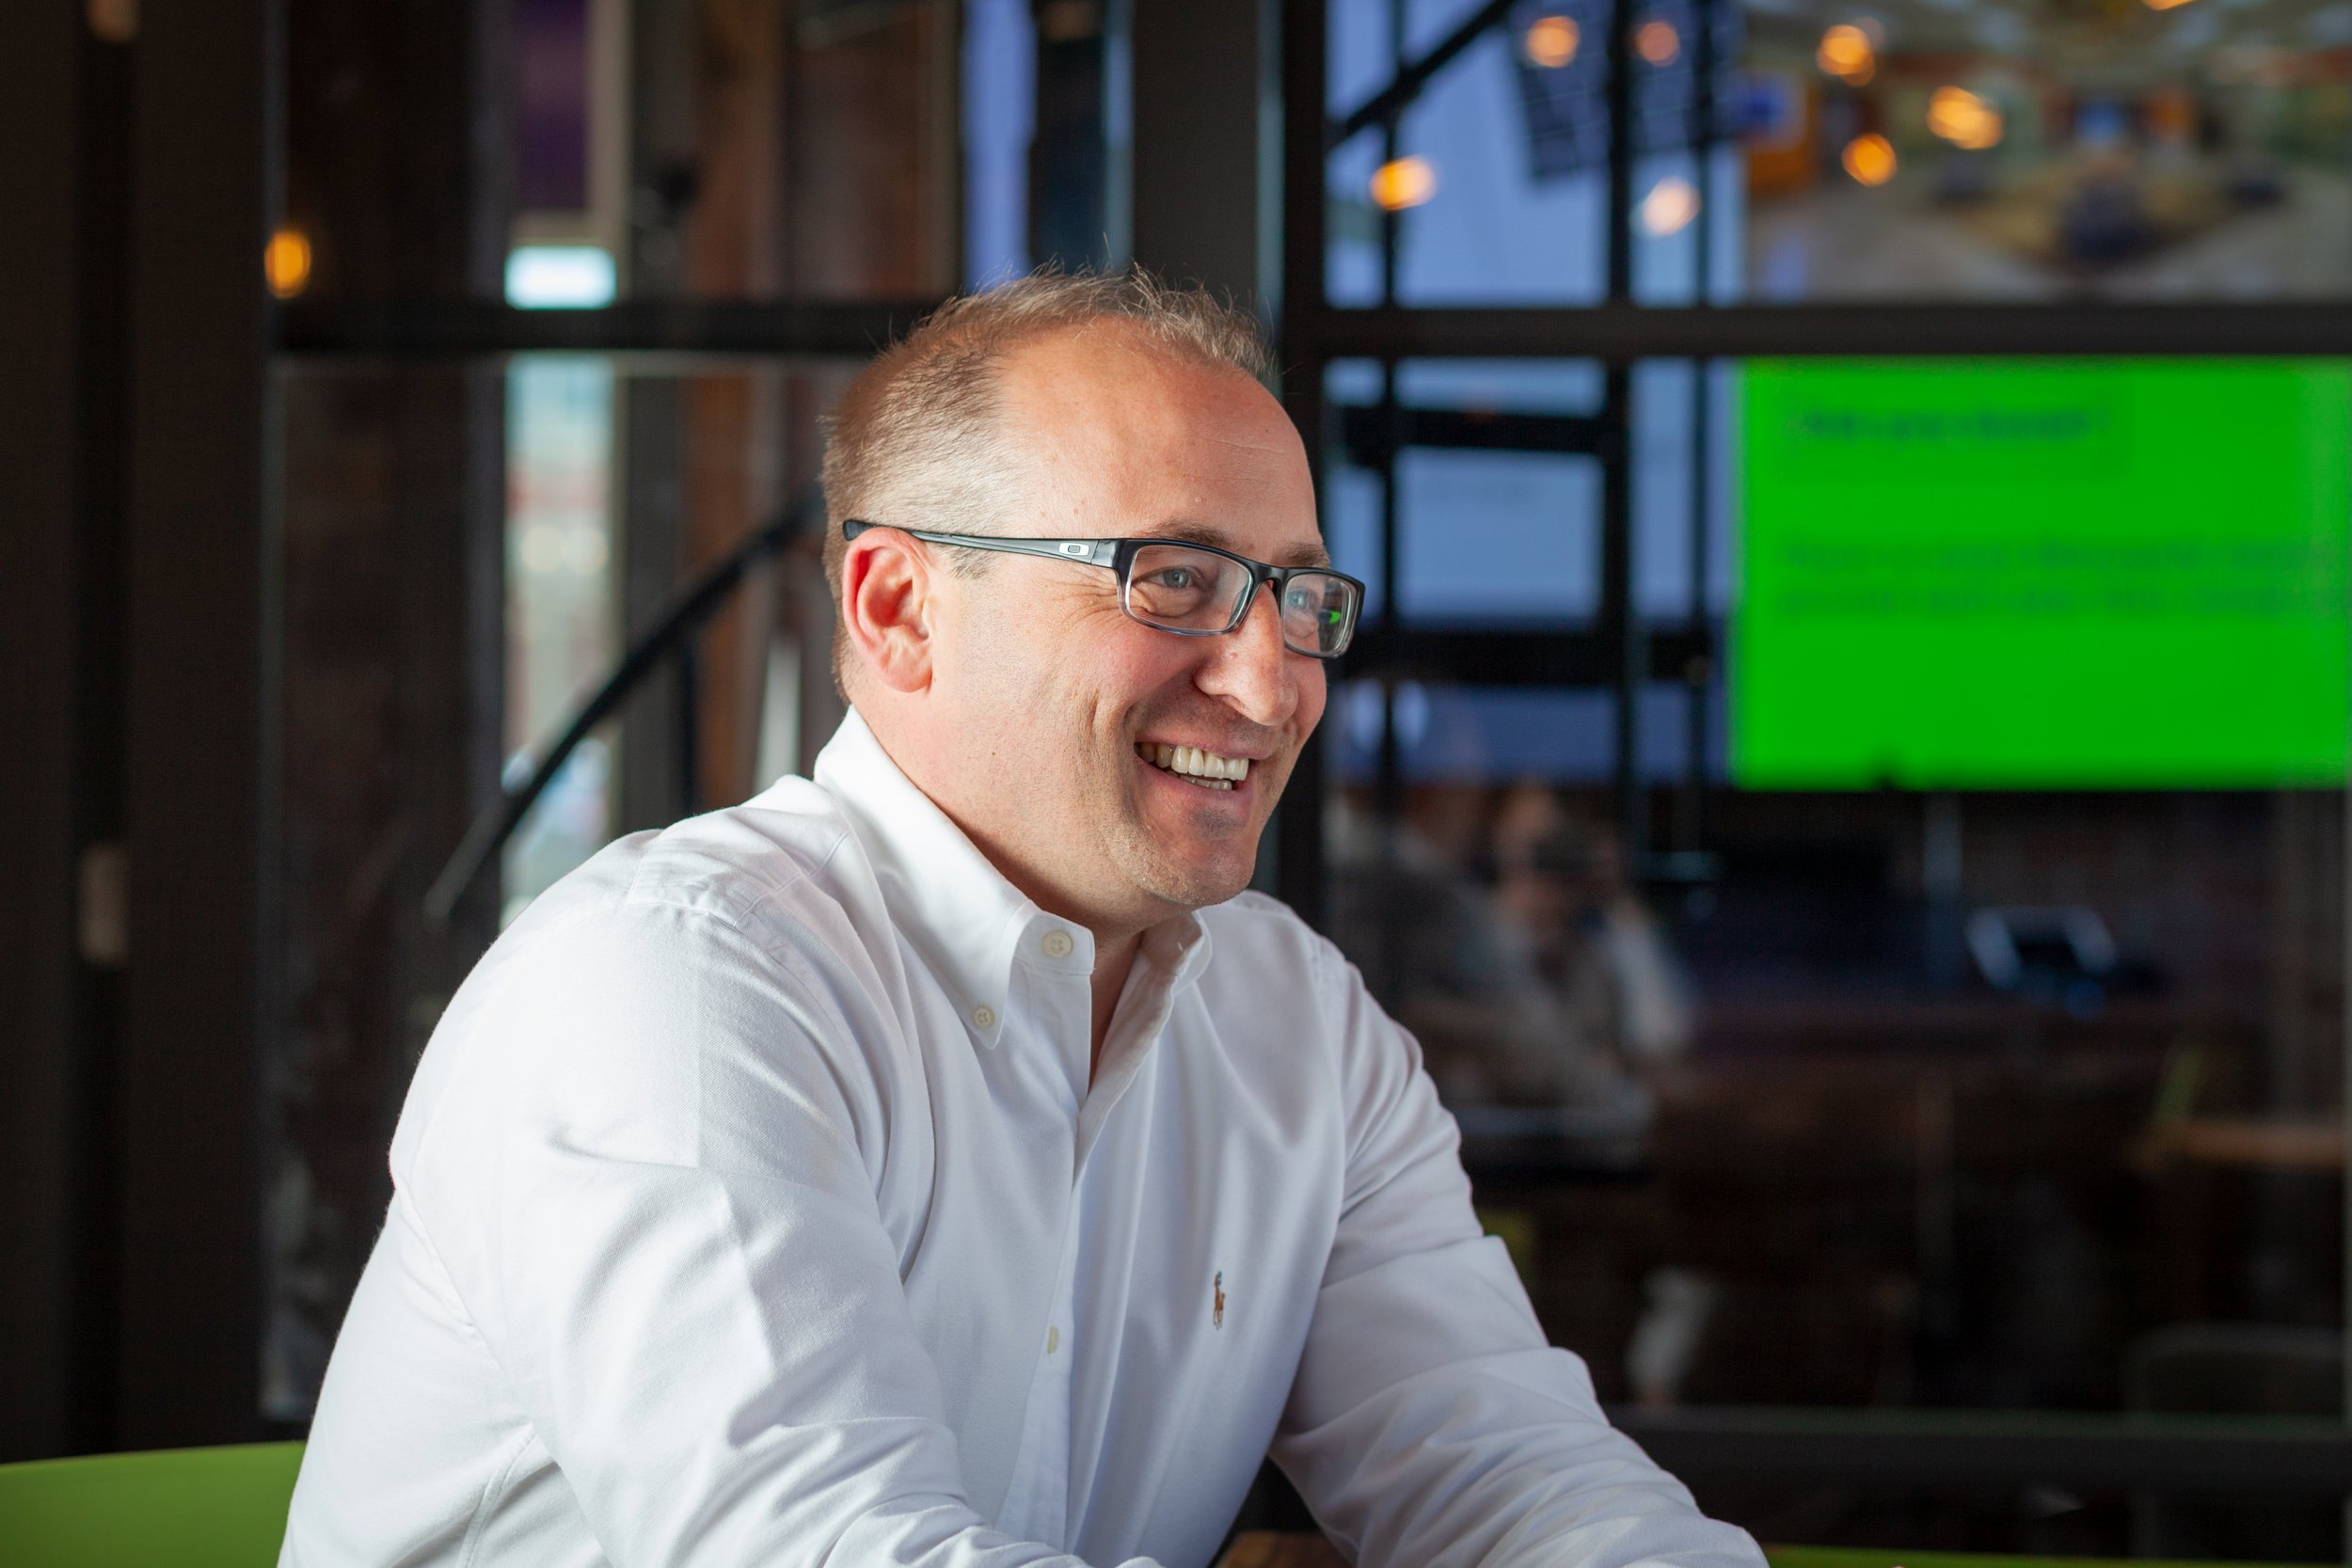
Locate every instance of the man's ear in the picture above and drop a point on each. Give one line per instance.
(885, 592)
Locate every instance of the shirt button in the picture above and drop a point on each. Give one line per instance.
(1058, 944)
(984, 1018)
(1052, 1340)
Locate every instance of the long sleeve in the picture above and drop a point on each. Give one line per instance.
(646, 1172)
(1430, 1424)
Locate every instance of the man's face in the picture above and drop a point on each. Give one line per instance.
(1060, 700)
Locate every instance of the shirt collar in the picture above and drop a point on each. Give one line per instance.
(969, 923)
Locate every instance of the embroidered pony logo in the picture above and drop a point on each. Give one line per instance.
(1216, 1312)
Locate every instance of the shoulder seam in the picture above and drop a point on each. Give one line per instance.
(761, 894)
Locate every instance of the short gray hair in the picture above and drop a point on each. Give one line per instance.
(917, 434)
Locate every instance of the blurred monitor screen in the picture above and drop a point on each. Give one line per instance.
(2042, 575)
(2136, 149)
(1807, 150)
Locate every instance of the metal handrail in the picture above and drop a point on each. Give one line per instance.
(680, 616)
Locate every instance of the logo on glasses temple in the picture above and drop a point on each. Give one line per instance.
(1074, 548)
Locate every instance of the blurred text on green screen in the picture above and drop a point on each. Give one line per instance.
(2042, 574)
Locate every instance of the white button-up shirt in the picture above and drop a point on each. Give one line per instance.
(754, 1205)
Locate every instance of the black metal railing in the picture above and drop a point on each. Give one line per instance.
(669, 636)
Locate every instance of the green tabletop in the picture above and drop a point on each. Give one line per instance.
(1872, 1557)
(184, 1508)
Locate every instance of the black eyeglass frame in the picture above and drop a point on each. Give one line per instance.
(1119, 555)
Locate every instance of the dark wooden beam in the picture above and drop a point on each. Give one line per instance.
(1622, 332)
(1303, 40)
(658, 329)
(200, 722)
(1202, 203)
(392, 617)
(42, 381)
(1366, 431)
(1999, 1451)
(696, 328)
(1585, 656)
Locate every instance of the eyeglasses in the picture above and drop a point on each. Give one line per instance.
(1192, 590)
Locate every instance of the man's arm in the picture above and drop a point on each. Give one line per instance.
(1430, 1423)
(645, 1173)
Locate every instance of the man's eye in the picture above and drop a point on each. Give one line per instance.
(1181, 578)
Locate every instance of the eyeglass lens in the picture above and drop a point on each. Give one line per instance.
(1198, 590)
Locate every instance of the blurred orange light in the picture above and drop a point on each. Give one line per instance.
(1963, 118)
(1657, 43)
(1670, 206)
(286, 262)
(2166, 5)
(1870, 159)
(1551, 41)
(1846, 51)
(1406, 183)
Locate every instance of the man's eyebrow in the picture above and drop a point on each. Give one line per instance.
(1205, 533)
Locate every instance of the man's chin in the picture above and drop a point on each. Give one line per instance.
(1188, 884)
(1189, 854)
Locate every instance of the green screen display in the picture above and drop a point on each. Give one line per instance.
(2042, 574)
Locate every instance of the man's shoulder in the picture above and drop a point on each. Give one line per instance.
(762, 869)
(1259, 914)
(1269, 970)
(758, 909)
(1254, 936)
(723, 950)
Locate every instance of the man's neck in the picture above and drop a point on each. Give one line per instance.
(1114, 958)
(1114, 954)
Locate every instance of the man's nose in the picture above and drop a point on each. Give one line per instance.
(1252, 669)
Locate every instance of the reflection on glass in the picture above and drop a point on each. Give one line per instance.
(1510, 535)
(1514, 136)
(1559, 736)
(2188, 148)
(1492, 913)
(999, 113)
(561, 635)
(1991, 1056)
(2142, 150)
(1488, 533)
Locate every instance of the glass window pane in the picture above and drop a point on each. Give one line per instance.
(1917, 151)
(2135, 152)
(622, 153)
(1499, 535)
(463, 549)
(1485, 529)
(563, 606)
(1974, 1079)
(1502, 386)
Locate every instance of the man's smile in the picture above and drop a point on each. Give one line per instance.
(1194, 764)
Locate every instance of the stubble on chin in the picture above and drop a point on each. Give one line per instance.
(1178, 880)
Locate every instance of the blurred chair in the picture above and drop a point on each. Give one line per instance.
(2236, 1369)
(181, 1507)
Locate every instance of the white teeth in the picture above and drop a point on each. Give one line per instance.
(1203, 767)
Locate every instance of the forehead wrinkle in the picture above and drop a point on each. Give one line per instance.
(1208, 533)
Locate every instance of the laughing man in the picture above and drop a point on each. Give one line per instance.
(944, 1161)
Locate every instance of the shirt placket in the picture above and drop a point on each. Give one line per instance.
(1038, 1500)
(1042, 1470)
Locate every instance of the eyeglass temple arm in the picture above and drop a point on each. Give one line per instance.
(1092, 552)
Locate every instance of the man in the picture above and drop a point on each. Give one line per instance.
(944, 1161)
